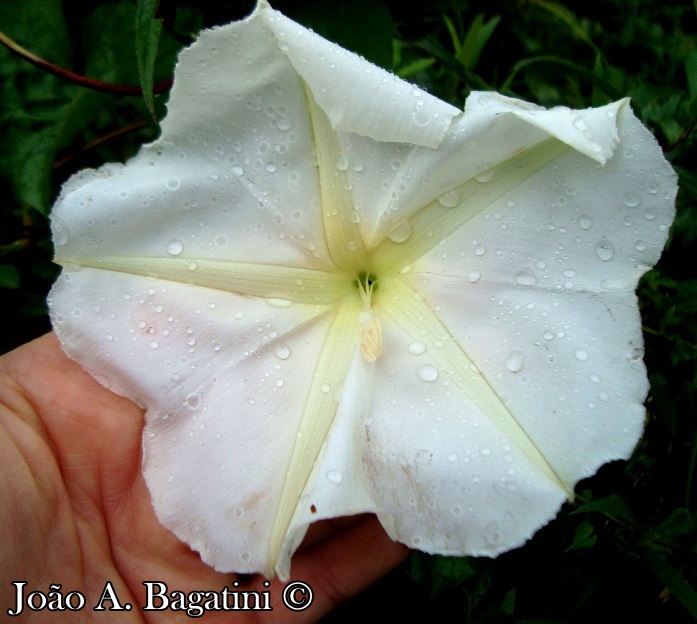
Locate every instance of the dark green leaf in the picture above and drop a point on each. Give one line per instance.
(584, 537)
(611, 506)
(476, 38)
(147, 33)
(673, 579)
(9, 276)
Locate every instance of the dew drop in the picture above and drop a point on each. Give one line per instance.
(585, 222)
(173, 184)
(525, 277)
(580, 124)
(427, 372)
(342, 163)
(281, 351)
(514, 361)
(325, 388)
(548, 335)
(485, 176)
(486, 452)
(237, 170)
(581, 355)
(421, 117)
(154, 344)
(473, 276)
(417, 348)
(640, 245)
(480, 250)
(175, 247)
(632, 199)
(453, 457)
(193, 400)
(605, 250)
(450, 199)
(335, 477)
(60, 233)
(401, 232)
(276, 302)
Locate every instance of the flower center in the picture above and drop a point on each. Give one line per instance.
(370, 331)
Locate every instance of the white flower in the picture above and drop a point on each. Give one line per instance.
(337, 294)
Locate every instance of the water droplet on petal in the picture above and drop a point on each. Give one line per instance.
(173, 184)
(401, 232)
(605, 250)
(325, 388)
(525, 277)
(421, 117)
(514, 361)
(480, 250)
(335, 477)
(473, 276)
(417, 348)
(485, 176)
(193, 400)
(580, 124)
(585, 222)
(342, 163)
(428, 372)
(237, 170)
(450, 199)
(277, 302)
(581, 355)
(175, 247)
(60, 233)
(632, 199)
(282, 352)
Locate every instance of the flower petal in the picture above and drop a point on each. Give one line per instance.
(445, 477)
(225, 380)
(356, 95)
(492, 131)
(539, 290)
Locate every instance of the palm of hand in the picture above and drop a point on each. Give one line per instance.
(75, 509)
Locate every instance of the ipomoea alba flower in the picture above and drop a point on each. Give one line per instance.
(334, 293)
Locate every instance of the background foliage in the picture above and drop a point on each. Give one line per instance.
(626, 548)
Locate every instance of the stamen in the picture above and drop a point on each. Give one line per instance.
(371, 329)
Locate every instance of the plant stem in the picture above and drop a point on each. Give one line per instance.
(83, 81)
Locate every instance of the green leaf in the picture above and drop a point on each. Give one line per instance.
(9, 276)
(679, 523)
(611, 506)
(476, 38)
(584, 537)
(148, 31)
(415, 67)
(673, 579)
(691, 71)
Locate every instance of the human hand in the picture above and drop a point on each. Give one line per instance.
(75, 509)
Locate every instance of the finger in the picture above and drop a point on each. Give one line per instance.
(341, 566)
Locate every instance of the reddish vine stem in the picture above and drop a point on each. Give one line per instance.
(78, 79)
